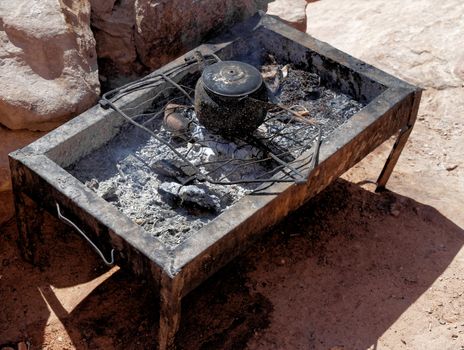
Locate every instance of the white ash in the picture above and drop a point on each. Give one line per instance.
(123, 172)
(142, 177)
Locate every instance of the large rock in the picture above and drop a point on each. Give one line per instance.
(48, 62)
(293, 12)
(419, 41)
(136, 36)
(166, 28)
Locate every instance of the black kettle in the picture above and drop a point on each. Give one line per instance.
(231, 98)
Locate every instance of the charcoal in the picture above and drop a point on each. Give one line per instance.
(173, 168)
(190, 195)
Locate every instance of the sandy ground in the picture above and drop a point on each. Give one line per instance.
(352, 269)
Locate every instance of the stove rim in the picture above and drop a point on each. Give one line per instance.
(38, 156)
(176, 278)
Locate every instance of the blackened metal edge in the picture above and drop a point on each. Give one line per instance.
(49, 183)
(182, 259)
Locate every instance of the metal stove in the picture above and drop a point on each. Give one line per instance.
(296, 156)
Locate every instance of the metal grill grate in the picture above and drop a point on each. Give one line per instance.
(283, 149)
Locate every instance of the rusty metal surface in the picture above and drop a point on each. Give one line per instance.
(38, 173)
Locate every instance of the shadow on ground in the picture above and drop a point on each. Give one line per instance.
(340, 270)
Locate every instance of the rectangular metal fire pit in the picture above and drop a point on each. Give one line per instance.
(40, 180)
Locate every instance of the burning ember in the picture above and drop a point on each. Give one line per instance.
(192, 155)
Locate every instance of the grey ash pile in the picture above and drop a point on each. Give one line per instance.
(144, 179)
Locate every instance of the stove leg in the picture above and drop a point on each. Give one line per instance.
(170, 312)
(393, 158)
(29, 218)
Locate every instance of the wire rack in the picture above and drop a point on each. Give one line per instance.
(283, 149)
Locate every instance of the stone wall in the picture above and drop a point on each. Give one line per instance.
(137, 36)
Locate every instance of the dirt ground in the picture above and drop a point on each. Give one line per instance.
(338, 274)
(352, 269)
